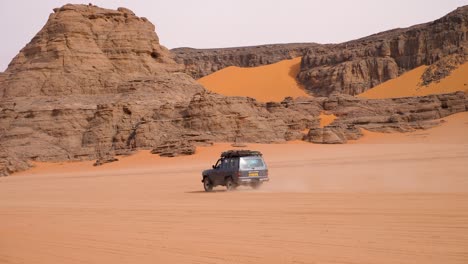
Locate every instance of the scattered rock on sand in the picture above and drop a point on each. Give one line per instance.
(174, 148)
(103, 161)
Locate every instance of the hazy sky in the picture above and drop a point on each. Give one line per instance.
(227, 23)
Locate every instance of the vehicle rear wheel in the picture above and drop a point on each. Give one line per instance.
(207, 184)
(230, 185)
(256, 185)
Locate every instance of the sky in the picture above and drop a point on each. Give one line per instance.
(231, 23)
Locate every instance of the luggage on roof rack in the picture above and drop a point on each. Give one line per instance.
(240, 153)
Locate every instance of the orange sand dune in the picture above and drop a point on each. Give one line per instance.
(265, 83)
(326, 120)
(408, 84)
(370, 202)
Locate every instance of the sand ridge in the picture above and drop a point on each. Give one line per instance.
(266, 83)
(408, 84)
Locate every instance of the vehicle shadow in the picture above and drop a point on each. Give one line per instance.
(214, 191)
(222, 191)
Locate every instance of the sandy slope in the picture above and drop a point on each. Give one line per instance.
(369, 202)
(326, 119)
(265, 83)
(454, 130)
(408, 84)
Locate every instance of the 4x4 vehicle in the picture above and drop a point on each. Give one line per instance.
(236, 167)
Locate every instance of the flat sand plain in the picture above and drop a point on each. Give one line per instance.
(397, 198)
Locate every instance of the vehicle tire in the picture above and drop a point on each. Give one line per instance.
(207, 184)
(230, 185)
(256, 185)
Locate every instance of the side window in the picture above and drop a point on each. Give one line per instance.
(228, 164)
(232, 164)
(224, 164)
(218, 164)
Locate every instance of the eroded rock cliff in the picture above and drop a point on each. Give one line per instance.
(87, 50)
(384, 115)
(95, 83)
(201, 62)
(355, 66)
(80, 70)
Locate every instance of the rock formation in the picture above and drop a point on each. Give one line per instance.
(355, 66)
(95, 83)
(10, 163)
(442, 68)
(384, 115)
(85, 50)
(89, 73)
(201, 62)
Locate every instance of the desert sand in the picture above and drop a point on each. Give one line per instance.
(389, 198)
(326, 119)
(408, 84)
(272, 82)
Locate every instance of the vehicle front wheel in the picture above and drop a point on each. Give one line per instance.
(230, 185)
(207, 184)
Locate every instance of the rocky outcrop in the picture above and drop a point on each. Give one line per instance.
(201, 62)
(104, 160)
(174, 148)
(333, 134)
(87, 50)
(355, 66)
(242, 118)
(384, 115)
(84, 84)
(442, 68)
(176, 129)
(396, 114)
(10, 163)
(95, 83)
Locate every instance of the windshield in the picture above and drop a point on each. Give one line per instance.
(251, 163)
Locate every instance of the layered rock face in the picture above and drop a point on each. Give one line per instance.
(384, 115)
(87, 50)
(356, 66)
(201, 62)
(64, 96)
(95, 83)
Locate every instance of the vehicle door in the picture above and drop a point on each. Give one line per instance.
(214, 175)
(223, 170)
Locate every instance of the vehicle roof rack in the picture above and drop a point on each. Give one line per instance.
(240, 153)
